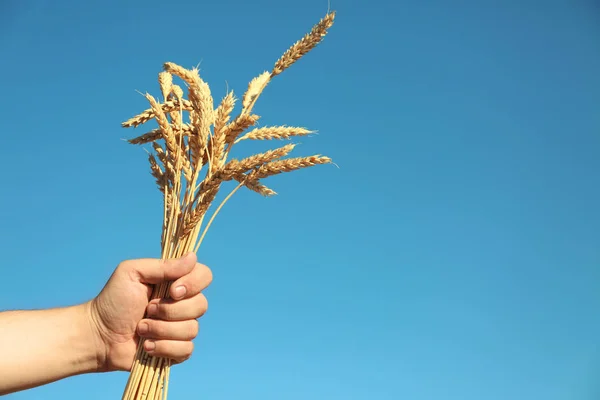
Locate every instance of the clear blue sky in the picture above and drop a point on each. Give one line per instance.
(453, 255)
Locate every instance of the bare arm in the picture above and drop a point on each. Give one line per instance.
(42, 346)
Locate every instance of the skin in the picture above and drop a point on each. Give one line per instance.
(101, 335)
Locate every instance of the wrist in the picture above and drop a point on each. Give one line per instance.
(93, 337)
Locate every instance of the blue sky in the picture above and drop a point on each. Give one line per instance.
(452, 255)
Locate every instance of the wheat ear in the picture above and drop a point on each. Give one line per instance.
(293, 54)
(304, 45)
(147, 115)
(274, 132)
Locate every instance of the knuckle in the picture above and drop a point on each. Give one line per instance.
(166, 312)
(153, 328)
(163, 348)
(125, 265)
(159, 329)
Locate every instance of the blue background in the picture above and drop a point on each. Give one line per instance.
(452, 255)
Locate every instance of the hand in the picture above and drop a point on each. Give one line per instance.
(118, 311)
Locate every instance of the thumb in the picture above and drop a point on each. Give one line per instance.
(154, 271)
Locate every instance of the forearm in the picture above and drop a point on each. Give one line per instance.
(42, 346)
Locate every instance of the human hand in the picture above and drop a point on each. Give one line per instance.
(117, 313)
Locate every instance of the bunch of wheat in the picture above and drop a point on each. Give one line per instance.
(193, 163)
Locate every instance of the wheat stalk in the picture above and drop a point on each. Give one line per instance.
(192, 165)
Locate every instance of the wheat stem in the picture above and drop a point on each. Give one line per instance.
(215, 214)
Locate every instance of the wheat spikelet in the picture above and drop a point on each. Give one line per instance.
(234, 167)
(157, 134)
(223, 112)
(201, 99)
(199, 92)
(304, 45)
(194, 139)
(259, 188)
(255, 186)
(157, 172)
(185, 148)
(177, 91)
(208, 152)
(177, 95)
(255, 88)
(202, 115)
(169, 172)
(222, 115)
(287, 165)
(182, 154)
(186, 163)
(165, 80)
(148, 137)
(209, 183)
(177, 119)
(204, 202)
(165, 127)
(274, 132)
(192, 221)
(239, 125)
(187, 75)
(147, 115)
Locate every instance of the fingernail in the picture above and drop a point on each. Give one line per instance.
(143, 328)
(152, 310)
(179, 292)
(149, 345)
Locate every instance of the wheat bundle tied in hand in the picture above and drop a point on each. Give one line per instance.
(190, 163)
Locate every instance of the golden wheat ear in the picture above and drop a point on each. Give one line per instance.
(147, 115)
(293, 54)
(304, 45)
(274, 133)
(222, 116)
(255, 87)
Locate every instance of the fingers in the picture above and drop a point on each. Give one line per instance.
(191, 284)
(163, 330)
(177, 351)
(154, 271)
(172, 340)
(180, 310)
(189, 277)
